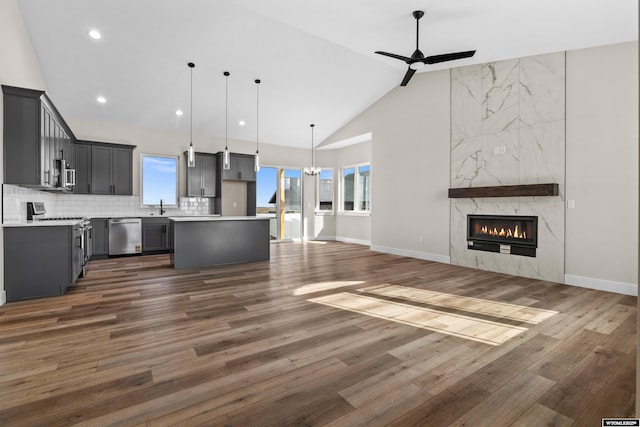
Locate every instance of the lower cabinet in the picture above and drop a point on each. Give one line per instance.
(155, 235)
(40, 261)
(100, 236)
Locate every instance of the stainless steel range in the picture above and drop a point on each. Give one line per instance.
(82, 230)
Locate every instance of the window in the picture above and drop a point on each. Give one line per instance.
(356, 188)
(325, 191)
(364, 179)
(159, 180)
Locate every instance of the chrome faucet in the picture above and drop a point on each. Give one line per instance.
(162, 211)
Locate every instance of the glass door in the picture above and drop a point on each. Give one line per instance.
(267, 198)
(292, 207)
(279, 197)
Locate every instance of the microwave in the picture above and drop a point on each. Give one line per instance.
(66, 176)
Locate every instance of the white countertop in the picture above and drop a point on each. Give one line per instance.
(66, 222)
(149, 216)
(215, 218)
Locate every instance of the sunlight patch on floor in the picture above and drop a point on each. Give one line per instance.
(324, 286)
(481, 330)
(503, 310)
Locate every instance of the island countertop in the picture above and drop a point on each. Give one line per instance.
(216, 218)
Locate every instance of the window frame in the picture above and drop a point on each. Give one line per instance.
(177, 194)
(356, 190)
(331, 211)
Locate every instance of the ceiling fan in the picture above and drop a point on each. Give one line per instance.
(418, 60)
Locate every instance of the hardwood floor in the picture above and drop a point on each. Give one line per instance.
(323, 334)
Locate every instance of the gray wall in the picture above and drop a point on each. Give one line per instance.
(602, 165)
(409, 169)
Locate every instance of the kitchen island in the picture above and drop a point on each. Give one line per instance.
(203, 241)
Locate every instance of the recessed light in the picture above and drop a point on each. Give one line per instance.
(101, 99)
(95, 34)
(242, 123)
(179, 112)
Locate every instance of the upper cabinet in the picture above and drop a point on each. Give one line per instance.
(38, 144)
(104, 168)
(83, 168)
(202, 179)
(242, 168)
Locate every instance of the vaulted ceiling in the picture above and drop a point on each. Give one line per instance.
(315, 59)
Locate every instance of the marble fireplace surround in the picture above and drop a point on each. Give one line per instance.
(508, 129)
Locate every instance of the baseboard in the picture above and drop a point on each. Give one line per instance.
(413, 254)
(323, 237)
(3, 297)
(601, 285)
(355, 241)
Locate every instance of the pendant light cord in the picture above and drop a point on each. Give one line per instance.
(226, 111)
(257, 110)
(191, 108)
(313, 162)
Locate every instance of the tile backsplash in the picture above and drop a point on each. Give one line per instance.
(15, 198)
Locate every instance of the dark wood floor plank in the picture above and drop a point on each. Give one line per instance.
(521, 392)
(138, 343)
(584, 383)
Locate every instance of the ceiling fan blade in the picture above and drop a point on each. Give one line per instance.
(448, 57)
(407, 76)
(393, 55)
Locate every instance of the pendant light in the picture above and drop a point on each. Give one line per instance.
(256, 166)
(226, 163)
(313, 170)
(191, 156)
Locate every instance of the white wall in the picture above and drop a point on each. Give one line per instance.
(409, 169)
(18, 67)
(411, 162)
(602, 166)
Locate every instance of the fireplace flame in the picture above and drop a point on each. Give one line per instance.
(513, 234)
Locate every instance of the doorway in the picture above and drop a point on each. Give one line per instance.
(279, 197)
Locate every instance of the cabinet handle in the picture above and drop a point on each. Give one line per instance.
(89, 188)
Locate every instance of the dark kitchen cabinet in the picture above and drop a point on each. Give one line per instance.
(83, 168)
(155, 235)
(202, 179)
(241, 168)
(111, 170)
(100, 236)
(41, 261)
(104, 168)
(35, 137)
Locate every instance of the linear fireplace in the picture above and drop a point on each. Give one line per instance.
(507, 234)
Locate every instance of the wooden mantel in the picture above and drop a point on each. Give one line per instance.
(505, 191)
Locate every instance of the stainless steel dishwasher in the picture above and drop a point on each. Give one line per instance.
(125, 236)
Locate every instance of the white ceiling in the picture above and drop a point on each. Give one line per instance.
(315, 58)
